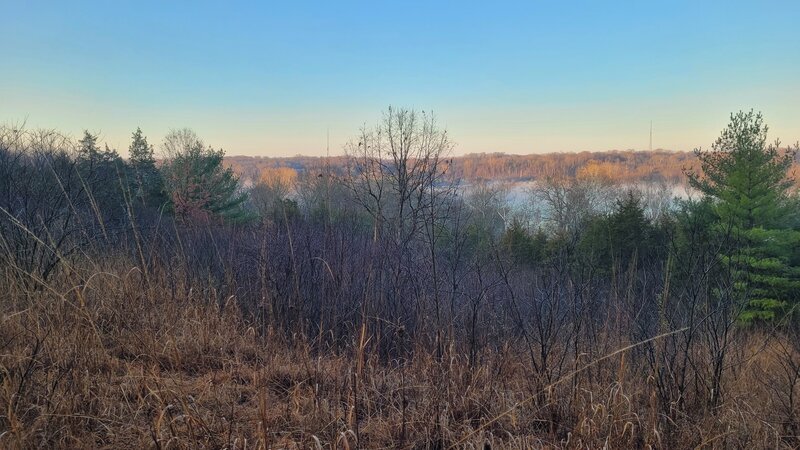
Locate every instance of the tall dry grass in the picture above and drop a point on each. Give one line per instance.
(113, 359)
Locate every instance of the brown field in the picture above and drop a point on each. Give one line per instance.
(103, 357)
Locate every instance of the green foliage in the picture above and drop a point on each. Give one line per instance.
(147, 184)
(200, 188)
(767, 271)
(623, 237)
(91, 157)
(524, 247)
(747, 183)
(748, 178)
(479, 240)
(695, 229)
(141, 153)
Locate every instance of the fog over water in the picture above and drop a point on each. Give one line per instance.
(527, 201)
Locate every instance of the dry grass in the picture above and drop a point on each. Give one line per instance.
(114, 362)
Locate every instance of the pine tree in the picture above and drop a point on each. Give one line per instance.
(148, 186)
(90, 155)
(749, 183)
(747, 176)
(623, 237)
(141, 153)
(767, 271)
(524, 247)
(200, 188)
(102, 172)
(87, 147)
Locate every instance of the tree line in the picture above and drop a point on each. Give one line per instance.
(629, 166)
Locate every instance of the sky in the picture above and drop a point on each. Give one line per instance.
(275, 78)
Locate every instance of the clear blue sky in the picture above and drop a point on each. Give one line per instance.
(270, 78)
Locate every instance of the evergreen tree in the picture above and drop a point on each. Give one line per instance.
(102, 172)
(523, 247)
(629, 230)
(622, 237)
(767, 271)
(200, 188)
(87, 147)
(747, 176)
(91, 157)
(148, 186)
(141, 152)
(749, 184)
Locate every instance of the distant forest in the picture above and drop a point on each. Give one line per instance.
(660, 166)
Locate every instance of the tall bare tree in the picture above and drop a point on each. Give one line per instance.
(397, 172)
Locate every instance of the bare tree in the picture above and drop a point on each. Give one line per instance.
(566, 204)
(397, 172)
(42, 201)
(392, 168)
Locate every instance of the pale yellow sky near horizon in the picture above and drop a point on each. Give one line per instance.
(513, 130)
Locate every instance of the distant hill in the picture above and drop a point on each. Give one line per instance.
(623, 166)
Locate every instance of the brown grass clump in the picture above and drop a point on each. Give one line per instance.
(118, 361)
